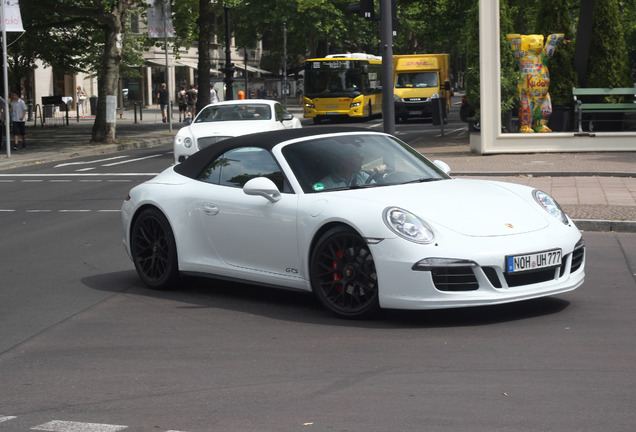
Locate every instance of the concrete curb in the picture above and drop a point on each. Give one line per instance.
(605, 225)
(544, 174)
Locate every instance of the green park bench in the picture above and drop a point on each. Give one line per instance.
(607, 107)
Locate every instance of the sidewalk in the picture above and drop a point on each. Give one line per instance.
(597, 190)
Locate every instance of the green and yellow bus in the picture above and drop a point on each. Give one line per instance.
(343, 86)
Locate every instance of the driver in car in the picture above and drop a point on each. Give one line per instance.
(348, 171)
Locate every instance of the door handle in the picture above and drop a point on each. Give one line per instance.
(210, 209)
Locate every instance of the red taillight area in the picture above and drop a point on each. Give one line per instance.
(127, 197)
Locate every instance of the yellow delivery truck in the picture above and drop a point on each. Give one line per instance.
(418, 80)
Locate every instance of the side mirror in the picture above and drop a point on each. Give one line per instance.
(447, 85)
(443, 166)
(262, 186)
(287, 117)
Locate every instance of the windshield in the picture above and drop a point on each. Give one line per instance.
(416, 80)
(357, 160)
(333, 79)
(234, 112)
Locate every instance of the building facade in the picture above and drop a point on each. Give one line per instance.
(182, 71)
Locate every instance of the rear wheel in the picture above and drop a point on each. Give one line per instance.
(154, 250)
(343, 274)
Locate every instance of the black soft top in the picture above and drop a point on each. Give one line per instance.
(195, 164)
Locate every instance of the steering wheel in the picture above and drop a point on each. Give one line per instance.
(376, 175)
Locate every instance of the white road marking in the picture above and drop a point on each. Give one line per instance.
(80, 175)
(85, 169)
(132, 160)
(63, 211)
(68, 426)
(89, 162)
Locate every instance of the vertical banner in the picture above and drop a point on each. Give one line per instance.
(156, 20)
(10, 21)
(11, 16)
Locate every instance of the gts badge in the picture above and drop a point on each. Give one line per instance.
(291, 270)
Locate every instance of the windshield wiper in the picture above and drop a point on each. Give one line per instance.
(424, 180)
(370, 185)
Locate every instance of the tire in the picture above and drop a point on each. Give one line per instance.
(154, 250)
(343, 274)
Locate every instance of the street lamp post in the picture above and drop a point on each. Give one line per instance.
(247, 94)
(165, 41)
(285, 87)
(229, 66)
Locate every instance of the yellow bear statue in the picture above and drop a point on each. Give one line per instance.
(534, 79)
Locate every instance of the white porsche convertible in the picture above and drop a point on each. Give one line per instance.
(358, 217)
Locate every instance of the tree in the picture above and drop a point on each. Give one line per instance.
(204, 23)
(108, 18)
(554, 17)
(333, 29)
(509, 77)
(63, 49)
(608, 64)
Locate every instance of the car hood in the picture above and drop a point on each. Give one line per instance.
(229, 128)
(475, 208)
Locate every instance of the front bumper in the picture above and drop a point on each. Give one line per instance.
(484, 282)
(411, 109)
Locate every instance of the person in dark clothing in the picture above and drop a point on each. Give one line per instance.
(163, 100)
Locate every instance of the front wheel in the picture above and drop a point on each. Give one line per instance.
(343, 274)
(154, 250)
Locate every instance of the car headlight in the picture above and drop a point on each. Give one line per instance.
(354, 105)
(186, 141)
(408, 226)
(550, 205)
(396, 98)
(310, 105)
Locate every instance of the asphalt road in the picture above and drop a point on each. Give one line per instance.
(85, 347)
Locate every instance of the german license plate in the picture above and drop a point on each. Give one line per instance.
(332, 113)
(533, 261)
(416, 112)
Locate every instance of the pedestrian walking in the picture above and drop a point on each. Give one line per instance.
(182, 101)
(18, 111)
(299, 94)
(192, 102)
(80, 101)
(214, 96)
(163, 99)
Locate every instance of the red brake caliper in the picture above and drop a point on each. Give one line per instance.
(336, 274)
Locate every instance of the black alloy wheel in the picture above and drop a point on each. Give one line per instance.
(343, 274)
(154, 250)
